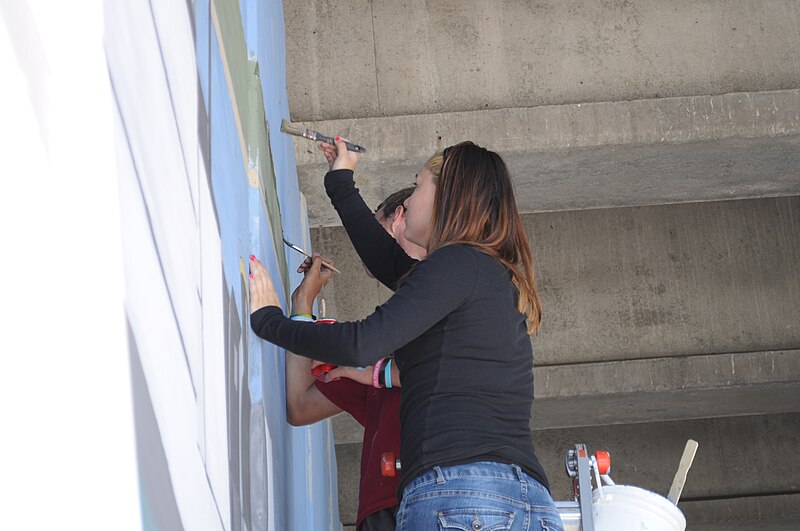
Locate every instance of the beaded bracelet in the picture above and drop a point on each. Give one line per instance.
(381, 379)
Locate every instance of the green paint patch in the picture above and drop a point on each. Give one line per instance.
(245, 83)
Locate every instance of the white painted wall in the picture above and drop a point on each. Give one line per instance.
(67, 457)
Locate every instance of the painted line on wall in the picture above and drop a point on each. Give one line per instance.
(231, 90)
(252, 172)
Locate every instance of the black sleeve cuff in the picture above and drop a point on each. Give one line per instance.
(259, 320)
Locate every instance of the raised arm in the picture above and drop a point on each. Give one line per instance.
(305, 404)
(382, 255)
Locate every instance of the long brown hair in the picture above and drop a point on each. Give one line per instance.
(475, 205)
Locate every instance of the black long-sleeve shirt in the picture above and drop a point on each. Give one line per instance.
(381, 253)
(461, 346)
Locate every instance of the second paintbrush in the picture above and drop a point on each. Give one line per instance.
(296, 130)
(301, 251)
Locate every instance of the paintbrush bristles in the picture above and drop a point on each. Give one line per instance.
(292, 129)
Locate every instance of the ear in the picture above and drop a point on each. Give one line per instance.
(398, 221)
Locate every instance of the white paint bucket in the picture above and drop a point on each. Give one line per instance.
(627, 508)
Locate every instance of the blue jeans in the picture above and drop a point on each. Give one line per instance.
(483, 496)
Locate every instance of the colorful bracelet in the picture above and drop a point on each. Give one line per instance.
(376, 371)
(387, 374)
(310, 316)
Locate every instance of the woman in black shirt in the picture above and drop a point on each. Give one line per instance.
(458, 324)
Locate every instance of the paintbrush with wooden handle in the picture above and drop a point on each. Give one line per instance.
(301, 251)
(297, 130)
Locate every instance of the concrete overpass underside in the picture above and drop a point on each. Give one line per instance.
(655, 148)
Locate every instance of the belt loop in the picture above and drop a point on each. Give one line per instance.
(522, 481)
(439, 476)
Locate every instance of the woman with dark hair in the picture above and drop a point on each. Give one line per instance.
(458, 324)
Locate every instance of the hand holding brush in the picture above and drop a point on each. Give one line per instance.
(337, 156)
(297, 130)
(308, 257)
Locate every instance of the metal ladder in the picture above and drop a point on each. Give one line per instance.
(577, 514)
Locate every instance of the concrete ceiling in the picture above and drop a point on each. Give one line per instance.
(593, 105)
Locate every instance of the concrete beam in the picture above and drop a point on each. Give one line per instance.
(358, 58)
(556, 127)
(582, 156)
(665, 389)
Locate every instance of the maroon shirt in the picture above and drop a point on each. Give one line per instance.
(378, 410)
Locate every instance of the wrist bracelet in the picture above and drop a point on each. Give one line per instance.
(376, 370)
(381, 379)
(387, 374)
(304, 317)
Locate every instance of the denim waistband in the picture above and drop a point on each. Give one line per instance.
(480, 469)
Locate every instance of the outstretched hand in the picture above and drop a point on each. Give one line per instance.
(262, 290)
(338, 157)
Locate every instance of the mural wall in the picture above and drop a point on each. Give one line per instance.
(206, 180)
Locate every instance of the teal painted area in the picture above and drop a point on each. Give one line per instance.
(312, 467)
(148, 522)
(251, 220)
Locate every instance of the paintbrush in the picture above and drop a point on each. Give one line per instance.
(299, 250)
(296, 130)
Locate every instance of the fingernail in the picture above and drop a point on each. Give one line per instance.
(251, 275)
(252, 258)
(338, 139)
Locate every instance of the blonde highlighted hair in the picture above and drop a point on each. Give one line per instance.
(434, 165)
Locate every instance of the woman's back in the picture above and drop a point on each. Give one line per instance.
(468, 380)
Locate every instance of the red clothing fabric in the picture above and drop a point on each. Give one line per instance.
(378, 410)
